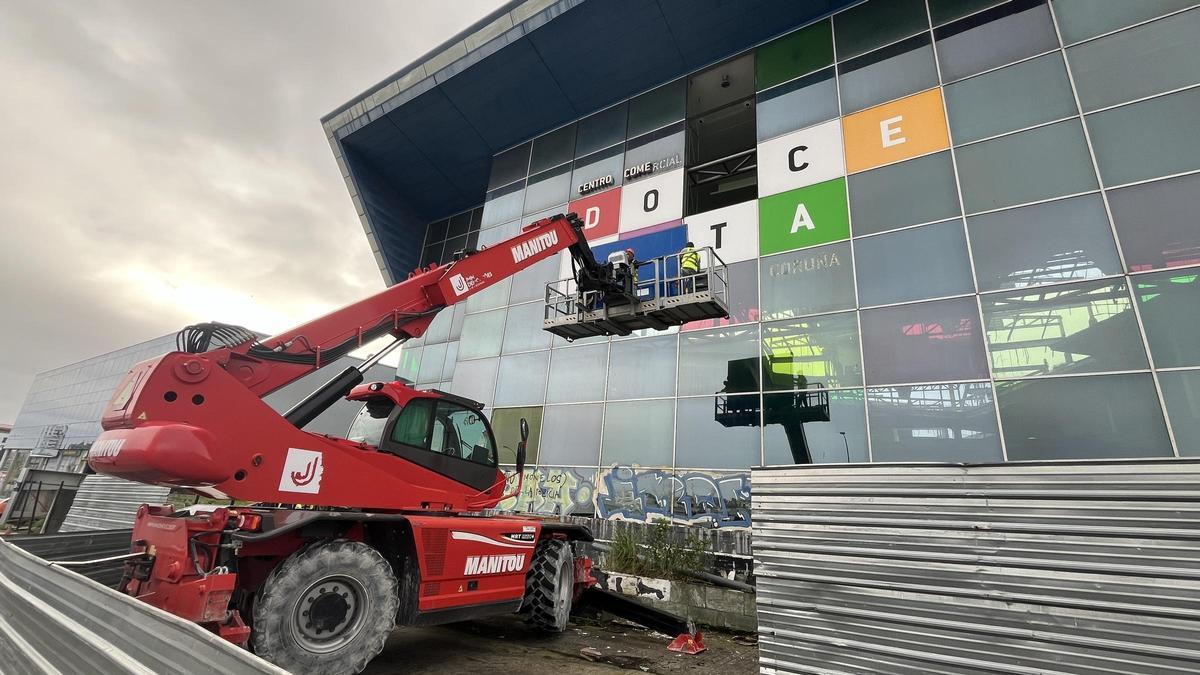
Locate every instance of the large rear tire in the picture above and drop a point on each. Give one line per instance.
(326, 610)
(550, 585)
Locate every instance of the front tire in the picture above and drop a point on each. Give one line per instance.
(326, 609)
(550, 585)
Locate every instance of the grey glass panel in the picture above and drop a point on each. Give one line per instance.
(492, 297)
(1148, 139)
(432, 361)
(459, 224)
(523, 330)
(639, 432)
(475, 380)
(1107, 416)
(808, 281)
(1082, 19)
(410, 363)
(992, 38)
(642, 368)
(662, 150)
(1063, 240)
(928, 342)
(1170, 307)
(702, 442)
(553, 149)
(481, 335)
(1087, 327)
(530, 284)
(930, 261)
(522, 379)
(577, 374)
(600, 165)
(453, 246)
(509, 166)
(657, 108)
(439, 328)
(497, 234)
(432, 254)
(943, 11)
(934, 423)
(547, 189)
(571, 434)
(820, 352)
(1011, 98)
(877, 22)
(1181, 391)
(725, 359)
(1142, 61)
(451, 359)
(797, 104)
(1158, 223)
(456, 322)
(890, 73)
(1041, 163)
(820, 427)
(437, 231)
(600, 130)
(503, 204)
(920, 190)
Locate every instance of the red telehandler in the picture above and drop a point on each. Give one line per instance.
(346, 538)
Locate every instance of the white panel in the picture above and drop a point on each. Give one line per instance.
(652, 201)
(732, 231)
(801, 158)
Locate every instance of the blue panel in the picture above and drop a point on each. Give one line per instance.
(709, 30)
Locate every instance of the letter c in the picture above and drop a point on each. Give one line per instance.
(792, 158)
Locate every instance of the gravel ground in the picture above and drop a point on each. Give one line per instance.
(504, 645)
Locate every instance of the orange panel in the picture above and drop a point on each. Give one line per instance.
(894, 131)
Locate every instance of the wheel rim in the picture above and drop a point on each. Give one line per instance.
(562, 601)
(330, 613)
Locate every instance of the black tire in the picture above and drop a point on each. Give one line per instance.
(550, 586)
(352, 594)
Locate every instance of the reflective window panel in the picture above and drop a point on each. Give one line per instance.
(945, 11)
(934, 423)
(654, 152)
(1148, 139)
(930, 261)
(657, 108)
(492, 297)
(1063, 240)
(522, 379)
(458, 225)
(506, 426)
(601, 130)
(638, 432)
(889, 73)
(437, 231)
(1016, 97)
(451, 359)
(994, 37)
(571, 434)
(530, 284)
(1041, 163)
(795, 54)
(439, 328)
(1181, 391)
(707, 439)
(920, 190)
(410, 363)
(798, 104)
(821, 427)
(817, 352)
(876, 23)
(1157, 222)
(1170, 307)
(743, 297)
(1107, 416)
(1087, 327)
(432, 362)
(722, 360)
(598, 171)
(523, 331)
(547, 189)
(577, 374)
(509, 166)
(504, 204)
(475, 380)
(641, 368)
(927, 342)
(808, 281)
(482, 334)
(1083, 19)
(553, 149)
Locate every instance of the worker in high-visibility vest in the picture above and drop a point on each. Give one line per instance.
(689, 266)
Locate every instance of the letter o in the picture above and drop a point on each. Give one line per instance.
(646, 200)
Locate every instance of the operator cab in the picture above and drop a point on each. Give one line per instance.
(444, 433)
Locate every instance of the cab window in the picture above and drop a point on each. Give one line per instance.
(370, 422)
(445, 428)
(412, 424)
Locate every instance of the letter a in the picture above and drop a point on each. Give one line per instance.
(889, 131)
(802, 219)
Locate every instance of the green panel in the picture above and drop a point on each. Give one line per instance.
(809, 216)
(795, 54)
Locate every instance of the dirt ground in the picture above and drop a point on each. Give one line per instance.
(507, 645)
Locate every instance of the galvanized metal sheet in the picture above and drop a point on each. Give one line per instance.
(106, 503)
(80, 546)
(1037, 567)
(53, 620)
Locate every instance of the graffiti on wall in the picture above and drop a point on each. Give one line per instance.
(714, 499)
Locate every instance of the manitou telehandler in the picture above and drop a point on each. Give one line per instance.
(347, 538)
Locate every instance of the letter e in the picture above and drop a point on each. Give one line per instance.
(889, 131)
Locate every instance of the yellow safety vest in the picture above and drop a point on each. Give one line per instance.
(689, 259)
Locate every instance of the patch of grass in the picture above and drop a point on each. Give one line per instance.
(656, 553)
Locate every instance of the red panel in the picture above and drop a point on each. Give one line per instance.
(600, 213)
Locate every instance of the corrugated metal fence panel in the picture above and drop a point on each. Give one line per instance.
(81, 546)
(1047, 567)
(55, 621)
(105, 503)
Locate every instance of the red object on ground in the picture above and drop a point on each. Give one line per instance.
(688, 643)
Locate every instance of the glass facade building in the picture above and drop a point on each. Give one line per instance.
(956, 230)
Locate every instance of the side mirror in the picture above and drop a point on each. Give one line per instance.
(521, 447)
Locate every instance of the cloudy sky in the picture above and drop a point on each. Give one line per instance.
(163, 163)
